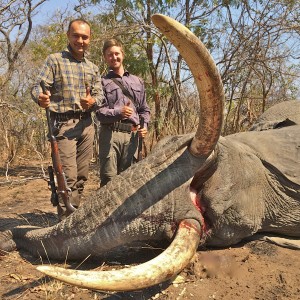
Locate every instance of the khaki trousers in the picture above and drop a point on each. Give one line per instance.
(75, 144)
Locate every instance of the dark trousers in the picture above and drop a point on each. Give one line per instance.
(117, 151)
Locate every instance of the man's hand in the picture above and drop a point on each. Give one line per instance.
(87, 102)
(126, 111)
(44, 100)
(142, 132)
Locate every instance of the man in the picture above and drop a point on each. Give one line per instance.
(74, 91)
(120, 115)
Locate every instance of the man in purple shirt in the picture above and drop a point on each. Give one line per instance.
(125, 105)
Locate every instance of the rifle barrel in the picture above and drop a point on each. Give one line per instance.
(140, 149)
(62, 188)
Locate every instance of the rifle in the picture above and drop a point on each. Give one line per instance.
(52, 187)
(61, 191)
(140, 150)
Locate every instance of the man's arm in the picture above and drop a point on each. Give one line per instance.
(45, 75)
(94, 92)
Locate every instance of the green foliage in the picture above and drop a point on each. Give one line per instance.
(136, 64)
(234, 3)
(53, 39)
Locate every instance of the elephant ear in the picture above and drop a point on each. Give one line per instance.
(277, 124)
(283, 114)
(267, 125)
(207, 79)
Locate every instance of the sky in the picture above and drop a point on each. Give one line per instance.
(48, 8)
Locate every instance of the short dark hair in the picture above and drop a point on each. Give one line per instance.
(80, 20)
(111, 43)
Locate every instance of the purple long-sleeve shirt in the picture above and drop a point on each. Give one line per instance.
(114, 99)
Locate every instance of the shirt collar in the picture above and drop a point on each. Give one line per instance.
(112, 74)
(69, 52)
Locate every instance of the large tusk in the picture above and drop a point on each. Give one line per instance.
(161, 268)
(207, 79)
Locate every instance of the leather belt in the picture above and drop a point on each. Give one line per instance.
(62, 117)
(121, 126)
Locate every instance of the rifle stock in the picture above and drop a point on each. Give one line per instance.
(62, 189)
(140, 149)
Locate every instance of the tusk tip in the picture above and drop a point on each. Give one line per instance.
(48, 270)
(159, 19)
(42, 268)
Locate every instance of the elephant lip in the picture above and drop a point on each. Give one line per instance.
(196, 199)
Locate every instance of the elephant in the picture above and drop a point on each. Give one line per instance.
(194, 189)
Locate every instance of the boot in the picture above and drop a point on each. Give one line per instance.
(62, 213)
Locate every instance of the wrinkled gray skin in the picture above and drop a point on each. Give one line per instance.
(256, 186)
(141, 204)
(249, 184)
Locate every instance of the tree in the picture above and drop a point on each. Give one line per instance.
(16, 26)
(257, 59)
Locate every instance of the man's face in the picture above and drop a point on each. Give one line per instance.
(79, 38)
(114, 57)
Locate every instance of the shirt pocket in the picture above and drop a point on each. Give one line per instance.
(137, 92)
(112, 94)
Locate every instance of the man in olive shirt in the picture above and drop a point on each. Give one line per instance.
(120, 114)
(74, 91)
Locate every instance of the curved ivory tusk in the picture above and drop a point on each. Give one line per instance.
(207, 79)
(161, 268)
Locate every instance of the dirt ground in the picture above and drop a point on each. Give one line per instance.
(252, 270)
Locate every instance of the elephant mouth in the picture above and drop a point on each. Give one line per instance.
(187, 238)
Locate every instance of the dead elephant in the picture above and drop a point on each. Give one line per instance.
(196, 188)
